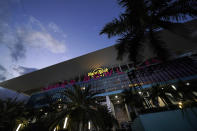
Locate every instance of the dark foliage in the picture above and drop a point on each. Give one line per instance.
(12, 112)
(80, 107)
(142, 20)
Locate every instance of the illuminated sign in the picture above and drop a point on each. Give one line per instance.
(96, 74)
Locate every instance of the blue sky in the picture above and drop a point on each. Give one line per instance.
(38, 33)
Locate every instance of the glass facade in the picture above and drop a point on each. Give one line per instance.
(163, 72)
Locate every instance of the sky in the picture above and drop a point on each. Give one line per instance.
(35, 34)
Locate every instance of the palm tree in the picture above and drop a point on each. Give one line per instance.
(186, 91)
(142, 20)
(133, 100)
(12, 113)
(44, 122)
(82, 108)
(157, 91)
(193, 86)
(46, 116)
(175, 94)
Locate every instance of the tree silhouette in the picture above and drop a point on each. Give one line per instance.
(142, 19)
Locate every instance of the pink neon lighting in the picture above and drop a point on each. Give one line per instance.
(86, 79)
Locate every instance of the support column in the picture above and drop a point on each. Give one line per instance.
(110, 106)
(128, 66)
(120, 68)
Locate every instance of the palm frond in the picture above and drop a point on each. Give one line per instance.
(135, 46)
(12, 111)
(81, 107)
(142, 16)
(176, 28)
(179, 10)
(114, 28)
(122, 48)
(158, 46)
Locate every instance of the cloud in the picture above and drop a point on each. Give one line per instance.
(17, 48)
(3, 72)
(2, 68)
(24, 70)
(2, 77)
(4, 15)
(13, 42)
(31, 34)
(37, 35)
(26, 33)
(52, 26)
(8, 37)
(41, 39)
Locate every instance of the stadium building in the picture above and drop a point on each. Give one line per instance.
(109, 77)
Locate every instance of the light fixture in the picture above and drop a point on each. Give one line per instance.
(116, 96)
(89, 125)
(54, 129)
(180, 105)
(173, 87)
(65, 122)
(118, 101)
(59, 106)
(187, 83)
(140, 92)
(19, 126)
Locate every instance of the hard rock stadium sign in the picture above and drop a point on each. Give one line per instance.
(94, 75)
(97, 71)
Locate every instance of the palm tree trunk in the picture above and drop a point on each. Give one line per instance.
(167, 100)
(135, 110)
(128, 112)
(81, 126)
